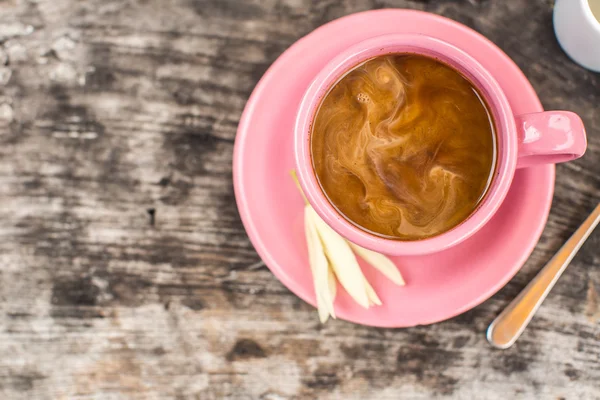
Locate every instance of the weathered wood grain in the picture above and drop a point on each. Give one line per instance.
(125, 271)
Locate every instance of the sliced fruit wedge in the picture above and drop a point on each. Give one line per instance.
(342, 261)
(379, 262)
(319, 267)
(332, 285)
(332, 259)
(373, 298)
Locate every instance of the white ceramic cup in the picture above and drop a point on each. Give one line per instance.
(578, 31)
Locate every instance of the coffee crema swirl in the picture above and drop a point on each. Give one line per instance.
(404, 146)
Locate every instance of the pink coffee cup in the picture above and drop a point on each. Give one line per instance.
(522, 140)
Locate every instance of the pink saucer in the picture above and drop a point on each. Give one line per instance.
(439, 286)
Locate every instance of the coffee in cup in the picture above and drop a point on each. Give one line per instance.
(404, 146)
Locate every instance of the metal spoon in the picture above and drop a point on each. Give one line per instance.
(508, 326)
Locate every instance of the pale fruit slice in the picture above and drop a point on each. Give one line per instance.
(332, 283)
(379, 262)
(342, 261)
(373, 298)
(332, 288)
(319, 266)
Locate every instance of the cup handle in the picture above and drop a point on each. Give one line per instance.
(549, 137)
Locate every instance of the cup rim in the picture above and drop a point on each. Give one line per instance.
(504, 121)
(590, 16)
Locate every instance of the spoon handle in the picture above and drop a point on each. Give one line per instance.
(509, 325)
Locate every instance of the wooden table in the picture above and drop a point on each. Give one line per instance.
(125, 272)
